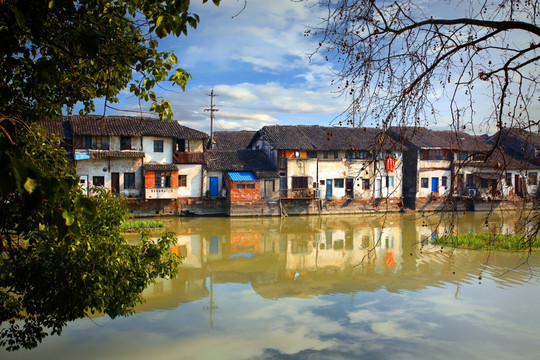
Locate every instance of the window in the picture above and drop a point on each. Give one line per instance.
(129, 180)
(462, 155)
(470, 180)
(533, 178)
(483, 183)
(322, 182)
(299, 182)
(103, 142)
(435, 154)
(87, 142)
(338, 183)
(125, 142)
(98, 181)
(180, 145)
(163, 179)
(390, 181)
(250, 186)
(365, 184)
(444, 181)
(424, 182)
(182, 180)
(240, 186)
(357, 154)
(158, 145)
(312, 154)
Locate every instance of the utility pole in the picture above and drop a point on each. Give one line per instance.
(212, 110)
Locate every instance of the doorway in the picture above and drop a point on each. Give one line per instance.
(115, 182)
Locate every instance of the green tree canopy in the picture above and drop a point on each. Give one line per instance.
(62, 254)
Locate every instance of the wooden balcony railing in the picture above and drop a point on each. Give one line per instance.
(188, 158)
(297, 193)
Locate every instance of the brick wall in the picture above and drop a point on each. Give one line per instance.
(245, 194)
(149, 179)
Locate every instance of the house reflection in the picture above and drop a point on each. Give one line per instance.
(311, 256)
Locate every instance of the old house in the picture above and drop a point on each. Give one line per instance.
(517, 160)
(136, 157)
(433, 159)
(316, 162)
(240, 175)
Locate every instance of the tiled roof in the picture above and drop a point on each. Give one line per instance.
(516, 133)
(314, 138)
(240, 160)
(99, 154)
(160, 167)
(232, 140)
(421, 137)
(58, 127)
(131, 126)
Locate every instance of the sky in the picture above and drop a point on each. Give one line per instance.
(256, 60)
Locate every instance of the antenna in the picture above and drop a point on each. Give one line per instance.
(212, 110)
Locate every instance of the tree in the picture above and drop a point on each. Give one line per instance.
(62, 255)
(408, 63)
(396, 61)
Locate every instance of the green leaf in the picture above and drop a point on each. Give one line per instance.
(30, 185)
(159, 20)
(68, 217)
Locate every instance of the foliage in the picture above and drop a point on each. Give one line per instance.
(63, 256)
(58, 53)
(488, 241)
(397, 60)
(141, 225)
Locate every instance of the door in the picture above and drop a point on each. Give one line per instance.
(329, 183)
(378, 186)
(269, 188)
(349, 187)
(517, 186)
(214, 186)
(83, 183)
(115, 182)
(435, 184)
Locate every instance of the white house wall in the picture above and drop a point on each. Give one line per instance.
(165, 157)
(193, 173)
(104, 167)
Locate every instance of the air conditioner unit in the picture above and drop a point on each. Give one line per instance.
(317, 193)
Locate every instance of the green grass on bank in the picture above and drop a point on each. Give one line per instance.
(488, 241)
(137, 226)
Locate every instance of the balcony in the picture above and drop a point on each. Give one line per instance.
(297, 194)
(188, 157)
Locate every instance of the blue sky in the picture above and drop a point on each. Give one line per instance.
(257, 62)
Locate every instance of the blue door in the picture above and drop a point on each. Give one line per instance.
(435, 184)
(214, 186)
(329, 188)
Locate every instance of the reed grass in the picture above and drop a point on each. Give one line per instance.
(136, 226)
(488, 241)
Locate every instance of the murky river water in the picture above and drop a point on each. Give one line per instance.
(340, 287)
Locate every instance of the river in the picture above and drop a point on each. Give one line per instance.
(335, 287)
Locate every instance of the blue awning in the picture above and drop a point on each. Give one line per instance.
(242, 176)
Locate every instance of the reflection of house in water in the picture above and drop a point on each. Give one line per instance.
(311, 256)
(342, 246)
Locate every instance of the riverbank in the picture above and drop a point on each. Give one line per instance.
(189, 207)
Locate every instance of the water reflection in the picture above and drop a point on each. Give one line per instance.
(344, 287)
(305, 257)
